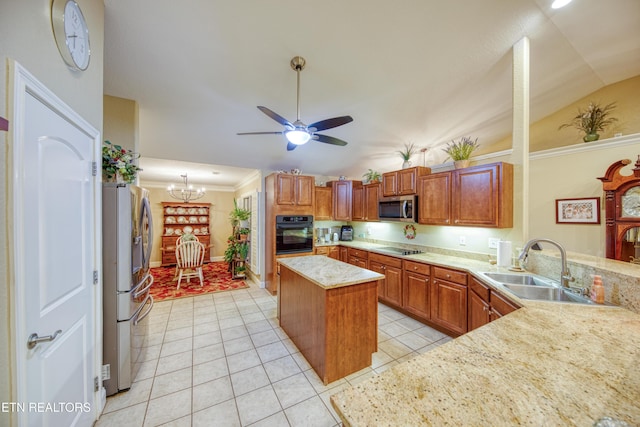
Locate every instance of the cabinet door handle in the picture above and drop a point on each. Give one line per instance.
(456, 221)
(415, 267)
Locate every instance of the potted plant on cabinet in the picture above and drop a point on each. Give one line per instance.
(460, 151)
(371, 176)
(406, 154)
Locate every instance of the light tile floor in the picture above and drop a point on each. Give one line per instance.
(222, 360)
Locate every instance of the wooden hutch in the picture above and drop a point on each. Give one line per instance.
(177, 216)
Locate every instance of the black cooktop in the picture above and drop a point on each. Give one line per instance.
(399, 251)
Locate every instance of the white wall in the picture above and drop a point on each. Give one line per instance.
(26, 36)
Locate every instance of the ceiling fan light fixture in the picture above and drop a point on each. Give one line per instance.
(297, 136)
(557, 4)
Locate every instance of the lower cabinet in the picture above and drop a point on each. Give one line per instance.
(330, 251)
(449, 299)
(416, 290)
(344, 254)
(389, 289)
(486, 304)
(358, 257)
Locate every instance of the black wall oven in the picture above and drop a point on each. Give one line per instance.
(294, 234)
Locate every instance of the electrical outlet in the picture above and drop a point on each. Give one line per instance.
(493, 243)
(462, 240)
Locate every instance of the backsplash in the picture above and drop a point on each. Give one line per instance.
(621, 280)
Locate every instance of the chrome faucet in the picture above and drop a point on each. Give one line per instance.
(565, 274)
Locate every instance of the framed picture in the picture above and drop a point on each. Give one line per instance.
(578, 211)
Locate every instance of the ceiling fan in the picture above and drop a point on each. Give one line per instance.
(297, 133)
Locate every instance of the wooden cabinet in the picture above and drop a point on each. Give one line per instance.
(416, 289)
(479, 311)
(330, 251)
(358, 201)
(479, 196)
(402, 182)
(486, 304)
(389, 289)
(344, 254)
(434, 199)
(323, 210)
(449, 299)
(341, 199)
(177, 216)
(295, 190)
(365, 202)
(357, 257)
(482, 196)
(284, 194)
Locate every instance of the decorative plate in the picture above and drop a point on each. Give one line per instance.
(203, 219)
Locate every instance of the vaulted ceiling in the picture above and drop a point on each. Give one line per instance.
(409, 71)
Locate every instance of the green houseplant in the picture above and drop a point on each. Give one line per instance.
(460, 151)
(592, 120)
(118, 163)
(371, 176)
(239, 216)
(406, 154)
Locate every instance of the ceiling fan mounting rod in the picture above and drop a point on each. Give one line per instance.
(297, 64)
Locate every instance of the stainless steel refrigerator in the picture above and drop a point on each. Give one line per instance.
(127, 238)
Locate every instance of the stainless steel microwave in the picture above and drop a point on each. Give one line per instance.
(398, 208)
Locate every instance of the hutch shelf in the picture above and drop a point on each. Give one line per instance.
(177, 216)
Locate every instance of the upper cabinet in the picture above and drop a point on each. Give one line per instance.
(402, 182)
(365, 201)
(478, 196)
(341, 192)
(294, 190)
(324, 205)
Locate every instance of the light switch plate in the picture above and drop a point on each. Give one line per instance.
(493, 243)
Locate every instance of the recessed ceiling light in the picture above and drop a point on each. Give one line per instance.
(557, 4)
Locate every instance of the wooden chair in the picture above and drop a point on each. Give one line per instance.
(189, 260)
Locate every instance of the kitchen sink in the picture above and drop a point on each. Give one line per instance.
(520, 279)
(534, 287)
(545, 293)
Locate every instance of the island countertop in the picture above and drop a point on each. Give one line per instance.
(329, 273)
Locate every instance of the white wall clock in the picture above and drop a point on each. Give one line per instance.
(71, 33)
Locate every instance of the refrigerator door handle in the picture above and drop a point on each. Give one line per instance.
(145, 212)
(146, 313)
(144, 290)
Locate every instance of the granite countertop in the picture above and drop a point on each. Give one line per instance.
(327, 272)
(547, 363)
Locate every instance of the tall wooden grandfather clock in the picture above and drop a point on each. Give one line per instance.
(622, 211)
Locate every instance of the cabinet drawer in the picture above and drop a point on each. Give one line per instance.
(358, 253)
(501, 304)
(479, 288)
(450, 275)
(322, 250)
(386, 260)
(417, 267)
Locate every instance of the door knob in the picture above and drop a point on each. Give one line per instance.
(34, 339)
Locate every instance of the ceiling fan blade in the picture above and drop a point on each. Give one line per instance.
(275, 116)
(331, 123)
(259, 133)
(291, 147)
(329, 140)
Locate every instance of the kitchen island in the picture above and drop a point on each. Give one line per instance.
(329, 309)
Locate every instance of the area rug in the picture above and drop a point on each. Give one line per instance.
(217, 278)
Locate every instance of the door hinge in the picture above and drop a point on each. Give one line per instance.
(106, 372)
(94, 168)
(96, 384)
(95, 277)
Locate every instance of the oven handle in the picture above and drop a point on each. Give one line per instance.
(146, 313)
(299, 225)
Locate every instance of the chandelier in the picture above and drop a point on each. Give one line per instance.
(187, 193)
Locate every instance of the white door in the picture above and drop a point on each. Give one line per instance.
(56, 248)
